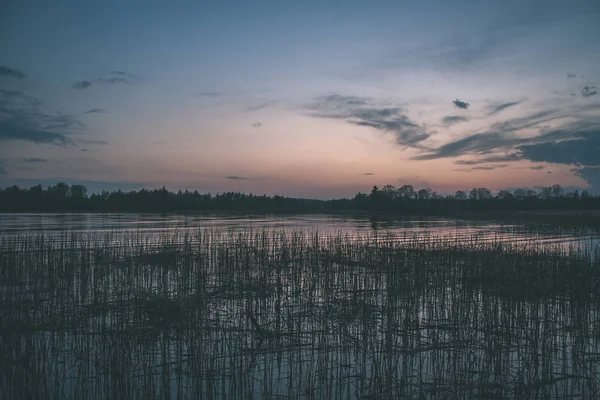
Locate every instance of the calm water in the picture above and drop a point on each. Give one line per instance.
(250, 321)
(404, 228)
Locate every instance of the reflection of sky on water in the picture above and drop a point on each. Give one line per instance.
(458, 230)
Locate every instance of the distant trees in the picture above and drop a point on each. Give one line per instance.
(480, 194)
(388, 199)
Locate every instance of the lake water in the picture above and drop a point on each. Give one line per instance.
(421, 228)
(245, 319)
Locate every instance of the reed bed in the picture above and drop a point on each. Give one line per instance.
(294, 314)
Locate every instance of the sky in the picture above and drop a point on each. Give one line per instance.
(316, 99)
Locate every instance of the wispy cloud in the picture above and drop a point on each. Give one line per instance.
(491, 159)
(110, 77)
(95, 111)
(588, 91)
(460, 104)
(211, 94)
(495, 109)
(82, 85)
(33, 160)
(12, 72)
(482, 168)
(363, 111)
(453, 119)
(12, 132)
(236, 178)
(22, 118)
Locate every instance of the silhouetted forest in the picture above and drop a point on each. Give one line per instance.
(388, 199)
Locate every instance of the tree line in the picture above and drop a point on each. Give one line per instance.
(387, 199)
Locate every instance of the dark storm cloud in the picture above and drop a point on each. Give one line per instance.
(237, 178)
(453, 119)
(33, 160)
(501, 107)
(460, 104)
(362, 111)
(12, 72)
(82, 84)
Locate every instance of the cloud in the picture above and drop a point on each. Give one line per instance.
(490, 159)
(3, 170)
(211, 94)
(369, 173)
(453, 119)
(460, 104)
(236, 178)
(33, 160)
(82, 84)
(119, 77)
(11, 132)
(483, 168)
(489, 167)
(260, 106)
(588, 91)
(570, 75)
(479, 143)
(12, 73)
(537, 167)
(501, 107)
(592, 176)
(584, 150)
(21, 118)
(125, 74)
(17, 98)
(95, 111)
(504, 135)
(257, 124)
(361, 111)
(111, 77)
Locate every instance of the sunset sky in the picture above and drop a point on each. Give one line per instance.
(315, 99)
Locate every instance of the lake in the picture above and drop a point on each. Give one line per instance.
(460, 230)
(127, 306)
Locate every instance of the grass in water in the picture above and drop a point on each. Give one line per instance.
(292, 314)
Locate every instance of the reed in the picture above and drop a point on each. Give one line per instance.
(295, 314)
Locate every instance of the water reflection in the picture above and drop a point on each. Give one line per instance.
(459, 230)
